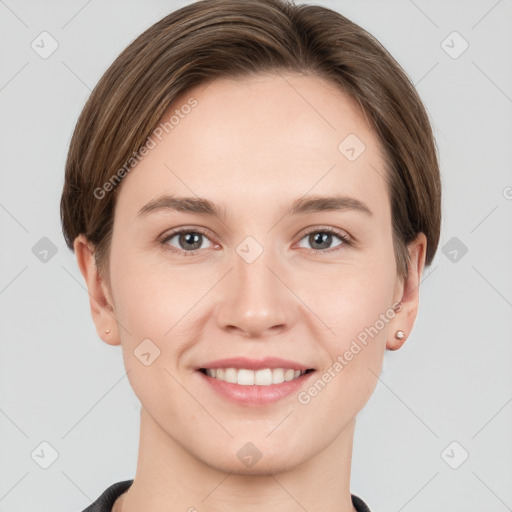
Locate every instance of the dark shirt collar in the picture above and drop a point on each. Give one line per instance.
(106, 501)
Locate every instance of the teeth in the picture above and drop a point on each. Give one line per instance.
(246, 377)
(264, 377)
(277, 376)
(289, 375)
(230, 375)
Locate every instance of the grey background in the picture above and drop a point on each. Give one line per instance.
(450, 382)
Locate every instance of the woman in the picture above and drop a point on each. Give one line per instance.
(252, 192)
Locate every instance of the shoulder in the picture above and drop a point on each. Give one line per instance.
(106, 500)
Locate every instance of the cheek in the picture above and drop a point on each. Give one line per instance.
(358, 308)
(353, 297)
(152, 309)
(356, 303)
(151, 297)
(162, 304)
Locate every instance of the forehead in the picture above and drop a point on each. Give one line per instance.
(264, 138)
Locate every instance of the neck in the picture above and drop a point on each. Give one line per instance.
(168, 478)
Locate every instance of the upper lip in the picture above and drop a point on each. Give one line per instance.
(254, 364)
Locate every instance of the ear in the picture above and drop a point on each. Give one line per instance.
(408, 293)
(100, 299)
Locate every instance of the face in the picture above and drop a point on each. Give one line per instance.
(297, 271)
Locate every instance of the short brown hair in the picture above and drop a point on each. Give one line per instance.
(210, 39)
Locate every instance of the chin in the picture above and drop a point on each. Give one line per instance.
(251, 459)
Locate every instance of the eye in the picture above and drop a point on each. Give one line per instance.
(189, 241)
(321, 239)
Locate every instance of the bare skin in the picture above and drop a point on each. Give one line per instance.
(252, 146)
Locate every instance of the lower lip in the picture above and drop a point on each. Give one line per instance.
(256, 395)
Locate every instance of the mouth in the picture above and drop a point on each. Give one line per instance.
(254, 382)
(260, 377)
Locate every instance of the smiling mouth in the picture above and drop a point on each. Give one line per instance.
(262, 377)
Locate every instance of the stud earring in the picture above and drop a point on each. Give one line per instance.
(107, 331)
(399, 335)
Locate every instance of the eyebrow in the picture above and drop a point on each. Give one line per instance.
(300, 206)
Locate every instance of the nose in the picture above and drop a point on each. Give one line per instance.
(256, 301)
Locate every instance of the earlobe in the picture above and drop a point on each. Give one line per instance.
(406, 315)
(399, 338)
(102, 311)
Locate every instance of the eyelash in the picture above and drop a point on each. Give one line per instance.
(346, 240)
